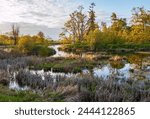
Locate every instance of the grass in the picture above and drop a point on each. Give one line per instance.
(88, 88)
(7, 95)
(78, 89)
(82, 88)
(40, 50)
(108, 47)
(67, 65)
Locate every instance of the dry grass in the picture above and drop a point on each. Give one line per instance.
(89, 89)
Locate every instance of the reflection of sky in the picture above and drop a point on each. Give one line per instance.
(59, 53)
(148, 68)
(108, 71)
(103, 72)
(148, 76)
(125, 71)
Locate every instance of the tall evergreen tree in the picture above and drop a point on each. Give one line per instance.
(92, 25)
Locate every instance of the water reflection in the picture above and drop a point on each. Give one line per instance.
(14, 85)
(110, 72)
(134, 66)
(117, 64)
(65, 54)
(60, 53)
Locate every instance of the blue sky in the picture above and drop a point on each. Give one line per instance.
(49, 15)
(121, 7)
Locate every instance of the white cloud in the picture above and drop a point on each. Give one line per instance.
(51, 13)
(40, 15)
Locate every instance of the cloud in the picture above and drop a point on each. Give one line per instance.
(50, 13)
(41, 15)
(32, 29)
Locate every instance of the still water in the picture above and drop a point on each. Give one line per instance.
(134, 66)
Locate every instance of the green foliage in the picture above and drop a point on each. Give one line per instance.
(119, 35)
(34, 46)
(54, 96)
(92, 25)
(99, 40)
(117, 65)
(8, 95)
(40, 50)
(77, 47)
(5, 40)
(66, 65)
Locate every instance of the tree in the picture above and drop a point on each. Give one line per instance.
(140, 28)
(76, 26)
(113, 17)
(141, 17)
(118, 24)
(25, 44)
(41, 34)
(93, 37)
(4, 39)
(15, 33)
(91, 20)
(104, 26)
(63, 36)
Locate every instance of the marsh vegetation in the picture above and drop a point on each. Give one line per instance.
(33, 78)
(89, 62)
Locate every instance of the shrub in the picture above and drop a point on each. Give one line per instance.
(34, 46)
(40, 50)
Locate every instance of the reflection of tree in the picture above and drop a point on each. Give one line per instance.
(113, 71)
(137, 59)
(117, 64)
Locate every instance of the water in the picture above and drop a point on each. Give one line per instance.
(136, 66)
(52, 74)
(65, 54)
(14, 85)
(139, 63)
(107, 72)
(60, 53)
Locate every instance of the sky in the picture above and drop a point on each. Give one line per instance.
(49, 16)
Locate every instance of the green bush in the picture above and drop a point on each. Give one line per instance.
(34, 46)
(40, 50)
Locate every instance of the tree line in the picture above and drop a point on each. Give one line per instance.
(82, 29)
(26, 44)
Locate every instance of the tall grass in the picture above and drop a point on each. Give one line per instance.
(88, 88)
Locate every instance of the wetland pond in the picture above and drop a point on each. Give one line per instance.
(132, 66)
